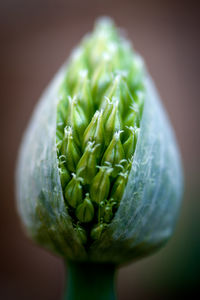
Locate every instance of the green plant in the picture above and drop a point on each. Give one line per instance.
(99, 178)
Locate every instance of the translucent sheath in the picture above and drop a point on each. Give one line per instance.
(148, 210)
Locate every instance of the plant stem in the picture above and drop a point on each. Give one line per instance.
(90, 281)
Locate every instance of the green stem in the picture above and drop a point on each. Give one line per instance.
(90, 281)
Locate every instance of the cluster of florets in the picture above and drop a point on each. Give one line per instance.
(98, 120)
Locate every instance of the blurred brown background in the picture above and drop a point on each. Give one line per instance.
(36, 36)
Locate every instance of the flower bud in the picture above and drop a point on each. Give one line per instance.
(63, 105)
(132, 117)
(95, 132)
(119, 186)
(100, 185)
(78, 120)
(108, 213)
(130, 144)
(86, 167)
(73, 191)
(85, 210)
(97, 231)
(59, 139)
(81, 233)
(100, 80)
(112, 91)
(105, 211)
(83, 92)
(76, 64)
(60, 127)
(101, 119)
(64, 174)
(125, 96)
(70, 150)
(106, 107)
(114, 153)
(110, 123)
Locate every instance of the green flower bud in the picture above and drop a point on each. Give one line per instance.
(63, 105)
(95, 131)
(73, 191)
(115, 120)
(132, 117)
(105, 211)
(100, 80)
(59, 137)
(139, 99)
(97, 231)
(106, 107)
(83, 91)
(76, 64)
(60, 127)
(108, 213)
(119, 186)
(85, 210)
(130, 143)
(100, 185)
(70, 150)
(81, 233)
(64, 174)
(112, 91)
(114, 153)
(78, 120)
(125, 96)
(110, 124)
(86, 167)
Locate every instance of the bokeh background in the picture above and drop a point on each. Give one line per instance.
(36, 36)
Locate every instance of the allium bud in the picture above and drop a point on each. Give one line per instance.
(95, 132)
(130, 143)
(81, 233)
(73, 191)
(100, 185)
(64, 173)
(85, 210)
(86, 168)
(78, 119)
(83, 91)
(111, 123)
(114, 154)
(102, 181)
(119, 186)
(69, 150)
(97, 231)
